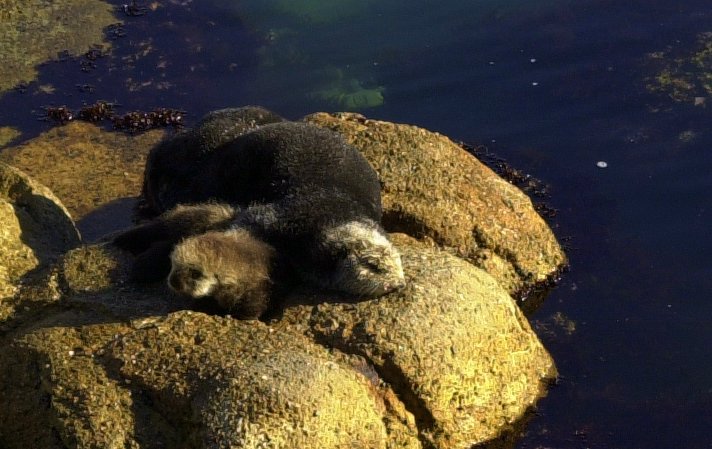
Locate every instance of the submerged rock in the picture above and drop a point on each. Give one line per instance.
(683, 74)
(94, 360)
(36, 31)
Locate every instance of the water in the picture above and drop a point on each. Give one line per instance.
(554, 87)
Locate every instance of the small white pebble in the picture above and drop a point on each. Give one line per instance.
(601, 164)
(535, 83)
(532, 60)
(71, 353)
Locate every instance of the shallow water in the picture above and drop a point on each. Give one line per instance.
(553, 88)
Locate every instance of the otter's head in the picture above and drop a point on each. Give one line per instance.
(367, 263)
(231, 266)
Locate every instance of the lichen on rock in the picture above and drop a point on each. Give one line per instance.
(35, 31)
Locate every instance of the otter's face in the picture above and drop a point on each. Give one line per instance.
(368, 264)
(191, 280)
(230, 266)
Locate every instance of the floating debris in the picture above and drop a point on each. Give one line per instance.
(601, 164)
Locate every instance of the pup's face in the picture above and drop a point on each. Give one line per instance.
(190, 274)
(368, 264)
(216, 262)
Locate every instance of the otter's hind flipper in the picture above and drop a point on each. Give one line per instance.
(154, 264)
(175, 225)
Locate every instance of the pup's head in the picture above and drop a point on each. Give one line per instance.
(231, 266)
(367, 263)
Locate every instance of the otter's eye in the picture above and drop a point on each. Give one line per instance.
(373, 266)
(195, 274)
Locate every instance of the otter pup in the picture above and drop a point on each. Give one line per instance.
(153, 242)
(300, 189)
(230, 266)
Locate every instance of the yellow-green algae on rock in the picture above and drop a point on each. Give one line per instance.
(7, 135)
(85, 166)
(684, 76)
(34, 31)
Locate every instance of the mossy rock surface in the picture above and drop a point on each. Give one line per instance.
(35, 228)
(434, 189)
(35, 31)
(84, 165)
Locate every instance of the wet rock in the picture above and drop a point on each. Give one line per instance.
(85, 166)
(8, 134)
(34, 229)
(36, 31)
(434, 189)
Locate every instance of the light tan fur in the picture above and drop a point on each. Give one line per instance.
(231, 266)
(371, 266)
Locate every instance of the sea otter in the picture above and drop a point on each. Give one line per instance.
(173, 163)
(232, 267)
(300, 189)
(152, 242)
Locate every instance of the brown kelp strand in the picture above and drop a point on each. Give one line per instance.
(134, 121)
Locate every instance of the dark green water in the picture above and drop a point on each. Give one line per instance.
(554, 87)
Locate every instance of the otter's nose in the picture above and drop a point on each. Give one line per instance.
(175, 282)
(395, 285)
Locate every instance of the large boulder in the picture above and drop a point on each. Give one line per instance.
(35, 228)
(92, 360)
(433, 188)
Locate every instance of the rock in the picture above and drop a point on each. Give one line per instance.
(33, 32)
(453, 344)
(448, 362)
(123, 367)
(8, 134)
(89, 359)
(433, 188)
(34, 229)
(85, 166)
